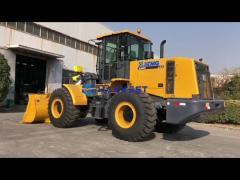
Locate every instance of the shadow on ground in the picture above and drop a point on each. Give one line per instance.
(186, 134)
(101, 126)
(90, 121)
(83, 122)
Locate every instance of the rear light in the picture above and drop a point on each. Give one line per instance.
(177, 104)
(207, 107)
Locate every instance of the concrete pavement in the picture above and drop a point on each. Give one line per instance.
(88, 139)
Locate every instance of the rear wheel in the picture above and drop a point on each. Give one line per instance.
(61, 110)
(132, 117)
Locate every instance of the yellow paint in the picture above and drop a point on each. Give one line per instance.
(37, 109)
(185, 78)
(113, 83)
(120, 120)
(78, 69)
(78, 97)
(119, 79)
(123, 32)
(57, 113)
(75, 78)
(148, 77)
(185, 83)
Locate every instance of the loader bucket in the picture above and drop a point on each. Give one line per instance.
(37, 109)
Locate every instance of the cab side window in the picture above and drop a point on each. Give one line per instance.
(111, 50)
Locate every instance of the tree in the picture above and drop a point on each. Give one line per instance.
(5, 80)
(231, 89)
(223, 84)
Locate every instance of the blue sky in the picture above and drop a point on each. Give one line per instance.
(217, 43)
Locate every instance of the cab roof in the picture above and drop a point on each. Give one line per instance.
(123, 32)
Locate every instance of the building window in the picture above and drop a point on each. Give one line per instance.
(56, 37)
(33, 28)
(86, 47)
(12, 24)
(29, 27)
(62, 39)
(90, 48)
(50, 35)
(3, 23)
(68, 41)
(77, 45)
(21, 26)
(82, 46)
(44, 33)
(95, 51)
(72, 43)
(36, 30)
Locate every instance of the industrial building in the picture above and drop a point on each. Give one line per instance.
(42, 54)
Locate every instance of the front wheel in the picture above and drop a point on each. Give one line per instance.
(132, 117)
(61, 110)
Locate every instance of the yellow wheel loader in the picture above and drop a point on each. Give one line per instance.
(131, 90)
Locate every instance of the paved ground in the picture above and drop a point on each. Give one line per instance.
(90, 140)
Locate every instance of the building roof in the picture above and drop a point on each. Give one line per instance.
(33, 51)
(123, 32)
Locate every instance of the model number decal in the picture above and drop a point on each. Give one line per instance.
(148, 65)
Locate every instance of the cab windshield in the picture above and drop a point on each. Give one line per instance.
(126, 47)
(115, 53)
(139, 49)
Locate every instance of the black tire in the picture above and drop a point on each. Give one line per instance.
(101, 121)
(169, 128)
(145, 117)
(70, 113)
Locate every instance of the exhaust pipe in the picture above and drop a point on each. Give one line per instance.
(162, 48)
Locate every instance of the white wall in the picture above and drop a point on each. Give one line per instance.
(80, 30)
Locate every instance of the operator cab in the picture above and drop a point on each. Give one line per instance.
(116, 50)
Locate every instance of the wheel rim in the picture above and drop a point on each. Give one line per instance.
(57, 108)
(125, 115)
